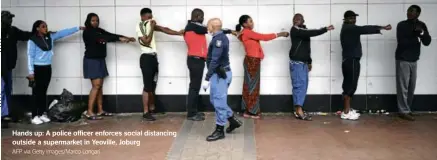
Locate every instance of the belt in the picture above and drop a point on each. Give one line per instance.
(197, 57)
(152, 54)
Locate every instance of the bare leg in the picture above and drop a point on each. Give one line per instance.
(146, 101)
(97, 85)
(100, 100)
(151, 101)
(346, 104)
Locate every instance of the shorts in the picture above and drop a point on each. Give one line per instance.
(149, 69)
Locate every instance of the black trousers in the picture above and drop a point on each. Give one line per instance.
(351, 73)
(43, 75)
(195, 66)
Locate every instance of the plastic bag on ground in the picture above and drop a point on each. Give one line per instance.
(66, 109)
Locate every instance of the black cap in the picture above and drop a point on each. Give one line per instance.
(7, 14)
(350, 13)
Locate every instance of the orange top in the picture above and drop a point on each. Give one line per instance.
(196, 43)
(250, 40)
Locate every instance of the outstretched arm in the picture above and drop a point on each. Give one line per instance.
(167, 30)
(296, 32)
(65, 32)
(22, 35)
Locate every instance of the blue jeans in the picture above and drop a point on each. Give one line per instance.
(299, 81)
(6, 93)
(219, 97)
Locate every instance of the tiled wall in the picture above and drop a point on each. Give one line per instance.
(120, 16)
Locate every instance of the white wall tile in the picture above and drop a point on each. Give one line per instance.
(32, 3)
(126, 20)
(428, 16)
(20, 86)
(231, 14)
(106, 16)
(71, 84)
(386, 1)
(6, 4)
(336, 59)
(132, 3)
(109, 86)
(128, 60)
(130, 86)
(420, 1)
(348, 1)
(236, 58)
(384, 14)
(427, 61)
(240, 2)
(274, 2)
(381, 85)
(62, 3)
(319, 85)
(172, 86)
(275, 62)
(26, 16)
(168, 2)
(381, 59)
(321, 56)
(312, 2)
(70, 18)
(426, 85)
(203, 2)
(172, 57)
(316, 16)
(337, 82)
(266, 13)
(275, 85)
(66, 60)
(97, 2)
(337, 16)
(175, 20)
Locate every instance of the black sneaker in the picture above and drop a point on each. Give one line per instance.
(148, 117)
(197, 117)
(407, 117)
(201, 114)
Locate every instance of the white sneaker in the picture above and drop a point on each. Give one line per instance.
(355, 111)
(350, 116)
(36, 120)
(44, 118)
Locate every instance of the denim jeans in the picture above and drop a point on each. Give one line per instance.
(219, 97)
(299, 81)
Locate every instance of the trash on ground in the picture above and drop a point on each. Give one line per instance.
(346, 131)
(66, 109)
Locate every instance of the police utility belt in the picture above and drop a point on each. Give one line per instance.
(221, 71)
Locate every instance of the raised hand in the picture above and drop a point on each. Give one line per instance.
(387, 27)
(283, 34)
(124, 39)
(235, 33)
(181, 32)
(82, 27)
(330, 27)
(132, 39)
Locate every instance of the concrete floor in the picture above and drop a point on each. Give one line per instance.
(373, 137)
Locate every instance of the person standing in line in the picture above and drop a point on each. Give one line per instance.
(410, 34)
(252, 64)
(300, 61)
(219, 76)
(195, 39)
(10, 36)
(39, 57)
(352, 52)
(148, 60)
(94, 63)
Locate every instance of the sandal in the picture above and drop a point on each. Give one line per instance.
(105, 114)
(92, 117)
(305, 116)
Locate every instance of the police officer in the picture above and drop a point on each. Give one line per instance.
(10, 36)
(219, 76)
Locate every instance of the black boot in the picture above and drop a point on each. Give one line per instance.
(217, 134)
(234, 123)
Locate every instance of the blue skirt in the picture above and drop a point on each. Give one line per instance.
(94, 68)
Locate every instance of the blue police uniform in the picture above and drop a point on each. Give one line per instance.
(220, 76)
(218, 56)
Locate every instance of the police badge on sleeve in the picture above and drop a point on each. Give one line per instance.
(218, 43)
